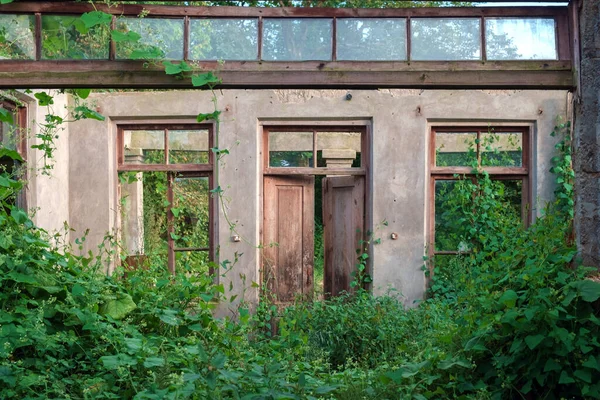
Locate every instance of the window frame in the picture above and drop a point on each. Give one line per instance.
(174, 171)
(19, 112)
(522, 173)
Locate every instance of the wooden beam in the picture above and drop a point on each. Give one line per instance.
(445, 74)
(282, 12)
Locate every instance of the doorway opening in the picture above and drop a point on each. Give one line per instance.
(315, 213)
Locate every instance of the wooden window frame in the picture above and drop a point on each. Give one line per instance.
(496, 173)
(173, 171)
(19, 112)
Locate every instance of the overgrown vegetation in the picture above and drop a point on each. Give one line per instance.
(514, 317)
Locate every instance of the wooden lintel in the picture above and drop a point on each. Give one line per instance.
(283, 12)
(366, 75)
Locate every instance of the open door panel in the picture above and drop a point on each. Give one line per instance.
(288, 236)
(343, 227)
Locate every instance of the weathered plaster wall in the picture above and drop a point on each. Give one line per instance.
(587, 136)
(48, 193)
(400, 124)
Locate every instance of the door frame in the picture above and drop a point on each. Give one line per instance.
(362, 125)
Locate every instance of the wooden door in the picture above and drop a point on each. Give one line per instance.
(343, 230)
(288, 236)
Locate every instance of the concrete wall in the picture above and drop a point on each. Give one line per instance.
(48, 189)
(400, 124)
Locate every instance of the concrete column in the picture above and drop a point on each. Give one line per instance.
(132, 207)
(339, 158)
(587, 136)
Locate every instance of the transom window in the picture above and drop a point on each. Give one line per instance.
(166, 210)
(456, 153)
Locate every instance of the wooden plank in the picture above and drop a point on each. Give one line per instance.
(314, 171)
(165, 168)
(64, 76)
(343, 230)
(279, 12)
(489, 170)
(288, 236)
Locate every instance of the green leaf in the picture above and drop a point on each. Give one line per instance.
(82, 93)
(113, 362)
(6, 116)
(533, 341)
(119, 308)
(18, 215)
(21, 278)
(93, 18)
(169, 317)
(592, 363)
(12, 154)
(78, 290)
(509, 298)
(213, 115)
(154, 362)
(584, 375)
(205, 79)
(174, 69)
(565, 378)
(447, 364)
(588, 290)
(152, 53)
(175, 212)
(326, 389)
(6, 373)
(120, 37)
(44, 99)
(552, 365)
(133, 344)
(83, 112)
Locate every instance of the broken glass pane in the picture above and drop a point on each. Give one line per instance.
(160, 38)
(501, 149)
(455, 149)
(191, 213)
(371, 39)
(338, 149)
(66, 37)
(297, 39)
(17, 37)
(291, 149)
(445, 39)
(224, 39)
(520, 39)
(451, 220)
(144, 147)
(188, 147)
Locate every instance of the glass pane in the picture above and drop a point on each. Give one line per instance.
(338, 149)
(224, 39)
(502, 149)
(160, 38)
(520, 39)
(451, 222)
(144, 147)
(297, 39)
(455, 149)
(371, 39)
(188, 147)
(8, 132)
(291, 149)
(66, 37)
(192, 261)
(17, 37)
(144, 217)
(191, 213)
(445, 39)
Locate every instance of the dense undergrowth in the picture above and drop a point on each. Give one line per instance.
(514, 318)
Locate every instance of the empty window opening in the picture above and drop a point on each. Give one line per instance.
(456, 152)
(166, 211)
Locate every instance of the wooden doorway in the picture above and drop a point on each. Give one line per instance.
(299, 210)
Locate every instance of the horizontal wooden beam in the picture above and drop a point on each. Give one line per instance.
(282, 12)
(255, 74)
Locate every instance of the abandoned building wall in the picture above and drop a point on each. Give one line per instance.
(48, 189)
(400, 122)
(586, 161)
